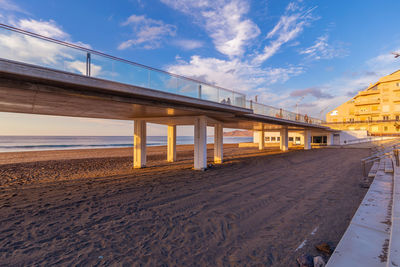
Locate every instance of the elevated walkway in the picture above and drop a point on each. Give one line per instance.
(81, 82)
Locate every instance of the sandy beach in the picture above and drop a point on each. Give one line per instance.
(88, 207)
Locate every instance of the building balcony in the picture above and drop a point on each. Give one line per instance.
(368, 102)
(367, 112)
(370, 92)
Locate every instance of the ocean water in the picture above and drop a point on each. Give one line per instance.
(36, 143)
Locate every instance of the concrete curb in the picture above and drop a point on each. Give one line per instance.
(365, 242)
(394, 244)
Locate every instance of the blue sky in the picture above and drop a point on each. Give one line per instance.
(314, 53)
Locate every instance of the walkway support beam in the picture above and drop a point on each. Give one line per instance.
(261, 141)
(307, 139)
(139, 144)
(200, 143)
(218, 143)
(284, 139)
(171, 146)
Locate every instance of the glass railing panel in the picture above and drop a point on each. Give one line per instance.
(289, 116)
(209, 93)
(114, 70)
(272, 112)
(249, 104)
(300, 118)
(225, 97)
(284, 114)
(188, 88)
(258, 109)
(239, 100)
(28, 49)
(162, 81)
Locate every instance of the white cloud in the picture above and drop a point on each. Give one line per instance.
(189, 44)
(233, 74)
(24, 48)
(148, 32)
(345, 87)
(27, 49)
(80, 67)
(10, 6)
(231, 32)
(46, 28)
(224, 20)
(289, 26)
(385, 62)
(323, 50)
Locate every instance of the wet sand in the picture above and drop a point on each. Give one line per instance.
(255, 209)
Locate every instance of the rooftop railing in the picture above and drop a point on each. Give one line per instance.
(31, 48)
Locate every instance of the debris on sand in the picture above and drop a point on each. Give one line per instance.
(305, 261)
(365, 183)
(324, 247)
(319, 261)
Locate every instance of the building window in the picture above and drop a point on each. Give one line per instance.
(317, 139)
(398, 84)
(351, 120)
(290, 139)
(397, 117)
(298, 138)
(278, 138)
(272, 139)
(385, 118)
(267, 138)
(385, 128)
(385, 108)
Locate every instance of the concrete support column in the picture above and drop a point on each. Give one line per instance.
(139, 144)
(255, 137)
(302, 139)
(307, 139)
(218, 143)
(200, 143)
(261, 141)
(171, 147)
(284, 139)
(329, 139)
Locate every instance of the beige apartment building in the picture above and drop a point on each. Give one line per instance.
(376, 109)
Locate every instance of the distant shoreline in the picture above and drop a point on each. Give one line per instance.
(49, 143)
(239, 133)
